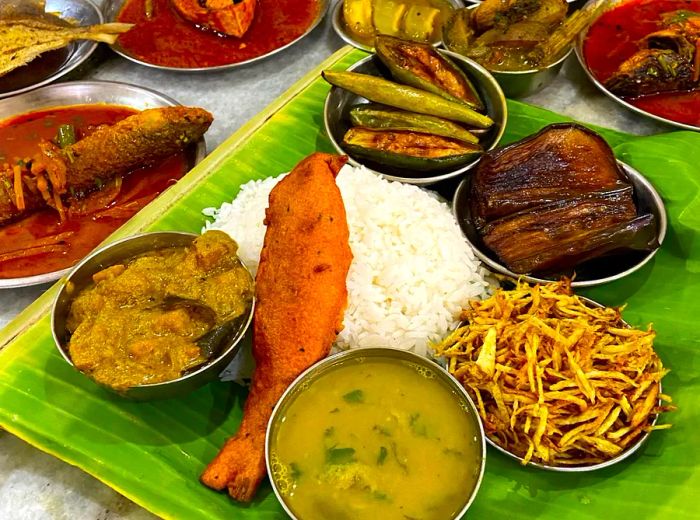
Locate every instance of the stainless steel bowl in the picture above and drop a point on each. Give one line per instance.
(522, 83)
(341, 29)
(607, 269)
(111, 9)
(119, 251)
(318, 370)
(24, 79)
(336, 115)
(592, 467)
(582, 60)
(78, 93)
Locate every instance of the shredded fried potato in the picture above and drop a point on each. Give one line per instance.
(556, 380)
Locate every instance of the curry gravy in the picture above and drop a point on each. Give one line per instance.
(142, 321)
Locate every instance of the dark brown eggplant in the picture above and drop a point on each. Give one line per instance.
(421, 66)
(556, 237)
(560, 162)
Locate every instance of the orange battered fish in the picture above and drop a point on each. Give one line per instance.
(301, 297)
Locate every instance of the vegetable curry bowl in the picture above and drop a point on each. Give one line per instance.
(155, 315)
(375, 433)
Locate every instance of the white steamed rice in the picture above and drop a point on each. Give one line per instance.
(412, 269)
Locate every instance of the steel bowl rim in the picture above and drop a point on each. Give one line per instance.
(324, 5)
(499, 268)
(428, 180)
(390, 353)
(89, 47)
(628, 452)
(581, 38)
(106, 247)
(68, 86)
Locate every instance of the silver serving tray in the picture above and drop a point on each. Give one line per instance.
(111, 9)
(648, 201)
(85, 13)
(582, 60)
(76, 93)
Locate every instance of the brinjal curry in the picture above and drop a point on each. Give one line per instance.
(154, 317)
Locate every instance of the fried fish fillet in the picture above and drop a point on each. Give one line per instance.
(142, 139)
(26, 31)
(301, 297)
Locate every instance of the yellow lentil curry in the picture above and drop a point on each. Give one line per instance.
(376, 439)
(143, 321)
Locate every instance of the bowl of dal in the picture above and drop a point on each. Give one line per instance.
(375, 433)
(155, 315)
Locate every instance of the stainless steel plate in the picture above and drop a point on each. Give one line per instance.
(582, 60)
(111, 9)
(594, 272)
(345, 35)
(77, 93)
(53, 65)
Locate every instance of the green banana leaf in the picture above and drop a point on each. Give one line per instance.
(154, 452)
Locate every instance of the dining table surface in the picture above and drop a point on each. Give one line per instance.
(35, 485)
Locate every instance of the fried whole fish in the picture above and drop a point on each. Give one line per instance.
(301, 296)
(73, 172)
(27, 31)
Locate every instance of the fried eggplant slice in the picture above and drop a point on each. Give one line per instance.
(421, 66)
(410, 150)
(559, 162)
(556, 237)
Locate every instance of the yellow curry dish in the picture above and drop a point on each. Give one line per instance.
(160, 314)
(377, 437)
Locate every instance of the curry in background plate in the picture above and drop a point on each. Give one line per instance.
(163, 37)
(160, 314)
(59, 200)
(648, 53)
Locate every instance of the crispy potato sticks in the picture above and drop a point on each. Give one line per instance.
(556, 380)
